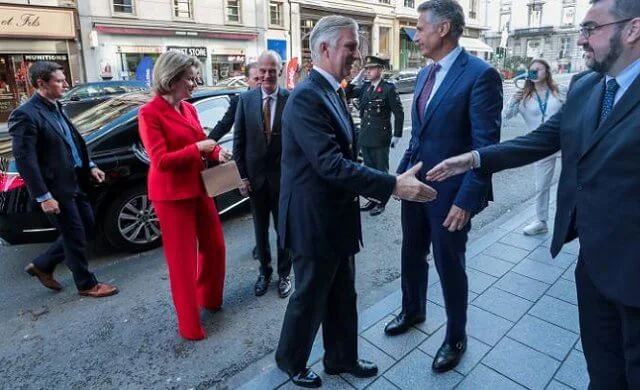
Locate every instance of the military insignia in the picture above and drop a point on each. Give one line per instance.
(379, 89)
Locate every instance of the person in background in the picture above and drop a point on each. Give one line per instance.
(191, 232)
(598, 132)
(52, 158)
(538, 101)
(257, 150)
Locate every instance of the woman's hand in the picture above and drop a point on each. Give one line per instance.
(224, 155)
(206, 146)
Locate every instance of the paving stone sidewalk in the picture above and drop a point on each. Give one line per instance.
(522, 326)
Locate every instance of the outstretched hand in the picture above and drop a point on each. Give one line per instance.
(451, 167)
(408, 187)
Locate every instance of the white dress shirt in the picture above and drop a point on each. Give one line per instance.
(625, 79)
(274, 101)
(445, 65)
(332, 81)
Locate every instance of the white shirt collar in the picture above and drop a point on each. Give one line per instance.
(375, 85)
(447, 62)
(332, 81)
(274, 95)
(628, 75)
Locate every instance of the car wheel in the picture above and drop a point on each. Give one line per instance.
(131, 223)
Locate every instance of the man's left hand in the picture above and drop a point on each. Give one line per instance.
(457, 219)
(97, 175)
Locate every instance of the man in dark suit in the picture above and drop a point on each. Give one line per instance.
(377, 100)
(457, 106)
(257, 148)
(319, 209)
(52, 158)
(598, 132)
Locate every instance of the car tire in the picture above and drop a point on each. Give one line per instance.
(130, 222)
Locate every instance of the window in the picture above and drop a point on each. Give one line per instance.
(233, 11)
(473, 9)
(535, 15)
(275, 14)
(123, 7)
(384, 1)
(183, 9)
(410, 3)
(384, 47)
(212, 110)
(568, 15)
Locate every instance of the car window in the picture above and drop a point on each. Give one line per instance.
(212, 110)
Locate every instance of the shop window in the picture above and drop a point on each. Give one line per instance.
(384, 47)
(183, 9)
(226, 66)
(234, 11)
(275, 14)
(410, 3)
(124, 7)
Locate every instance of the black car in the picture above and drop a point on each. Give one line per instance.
(124, 214)
(405, 81)
(84, 96)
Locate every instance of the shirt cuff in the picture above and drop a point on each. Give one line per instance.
(92, 165)
(44, 197)
(476, 159)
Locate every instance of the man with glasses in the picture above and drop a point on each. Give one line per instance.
(598, 131)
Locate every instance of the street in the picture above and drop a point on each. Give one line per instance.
(62, 340)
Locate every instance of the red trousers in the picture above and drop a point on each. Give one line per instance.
(194, 249)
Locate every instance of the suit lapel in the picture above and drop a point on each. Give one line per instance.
(416, 94)
(52, 123)
(277, 122)
(591, 115)
(629, 101)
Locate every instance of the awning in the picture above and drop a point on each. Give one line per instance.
(473, 44)
(411, 32)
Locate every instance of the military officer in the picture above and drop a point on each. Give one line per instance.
(377, 100)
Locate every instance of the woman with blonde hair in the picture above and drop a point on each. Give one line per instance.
(536, 102)
(191, 232)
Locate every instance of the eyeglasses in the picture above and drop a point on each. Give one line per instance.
(587, 30)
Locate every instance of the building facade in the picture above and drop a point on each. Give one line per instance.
(545, 29)
(123, 38)
(35, 30)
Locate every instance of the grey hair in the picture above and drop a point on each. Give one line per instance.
(273, 55)
(42, 70)
(449, 10)
(624, 9)
(171, 66)
(328, 30)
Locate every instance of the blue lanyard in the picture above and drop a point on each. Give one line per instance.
(543, 105)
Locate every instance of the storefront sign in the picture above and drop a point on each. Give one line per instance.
(45, 57)
(140, 49)
(292, 70)
(190, 51)
(36, 22)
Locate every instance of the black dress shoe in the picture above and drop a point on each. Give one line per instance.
(284, 287)
(254, 253)
(402, 323)
(368, 206)
(449, 356)
(361, 369)
(307, 378)
(377, 210)
(261, 286)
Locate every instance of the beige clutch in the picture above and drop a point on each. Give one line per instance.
(221, 178)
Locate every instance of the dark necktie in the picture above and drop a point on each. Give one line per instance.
(266, 118)
(343, 97)
(608, 100)
(426, 91)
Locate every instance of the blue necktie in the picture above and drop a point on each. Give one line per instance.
(609, 98)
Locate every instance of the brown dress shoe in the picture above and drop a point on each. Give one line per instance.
(99, 290)
(46, 279)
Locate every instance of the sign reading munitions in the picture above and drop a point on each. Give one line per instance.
(36, 22)
(190, 51)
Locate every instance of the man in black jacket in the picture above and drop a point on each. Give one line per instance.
(52, 158)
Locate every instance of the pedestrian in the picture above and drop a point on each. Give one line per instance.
(52, 158)
(377, 100)
(538, 100)
(598, 133)
(457, 106)
(257, 150)
(319, 209)
(191, 232)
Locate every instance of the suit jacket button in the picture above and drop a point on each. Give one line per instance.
(579, 188)
(355, 199)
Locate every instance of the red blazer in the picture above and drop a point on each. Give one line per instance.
(169, 138)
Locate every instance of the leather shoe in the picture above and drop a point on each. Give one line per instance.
(306, 378)
(261, 286)
(100, 290)
(402, 323)
(45, 278)
(254, 253)
(367, 206)
(449, 356)
(377, 210)
(284, 287)
(361, 369)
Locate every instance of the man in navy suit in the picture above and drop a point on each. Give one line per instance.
(598, 132)
(457, 107)
(320, 212)
(53, 159)
(257, 148)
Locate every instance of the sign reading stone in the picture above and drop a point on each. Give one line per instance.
(189, 50)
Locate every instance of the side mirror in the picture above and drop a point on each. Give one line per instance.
(74, 97)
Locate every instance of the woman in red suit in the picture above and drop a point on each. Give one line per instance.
(191, 231)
